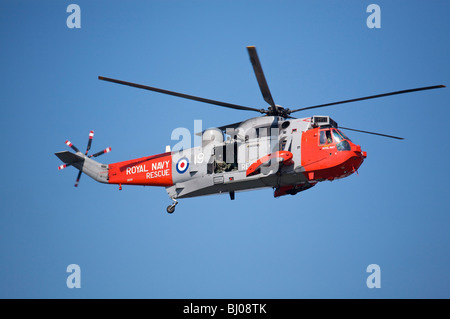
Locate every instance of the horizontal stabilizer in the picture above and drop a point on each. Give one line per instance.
(68, 157)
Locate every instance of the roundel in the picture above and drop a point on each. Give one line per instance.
(182, 165)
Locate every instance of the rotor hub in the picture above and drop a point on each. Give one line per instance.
(278, 111)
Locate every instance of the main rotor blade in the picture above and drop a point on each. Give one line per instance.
(367, 132)
(369, 97)
(260, 77)
(182, 95)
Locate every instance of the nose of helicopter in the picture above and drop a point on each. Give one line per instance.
(358, 157)
(359, 152)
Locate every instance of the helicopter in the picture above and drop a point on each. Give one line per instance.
(275, 150)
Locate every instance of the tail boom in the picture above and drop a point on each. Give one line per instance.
(153, 170)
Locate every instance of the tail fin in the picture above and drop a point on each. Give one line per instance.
(69, 158)
(93, 169)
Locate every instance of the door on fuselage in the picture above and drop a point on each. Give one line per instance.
(224, 158)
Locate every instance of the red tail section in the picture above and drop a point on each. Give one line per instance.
(153, 170)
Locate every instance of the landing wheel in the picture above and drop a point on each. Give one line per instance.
(170, 209)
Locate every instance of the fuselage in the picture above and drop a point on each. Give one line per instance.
(289, 155)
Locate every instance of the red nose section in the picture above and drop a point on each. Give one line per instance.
(329, 161)
(153, 170)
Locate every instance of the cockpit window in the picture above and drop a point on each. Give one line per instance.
(341, 140)
(337, 137)
(332, 135)
(343, 135)
(343, 146)
(325, 137)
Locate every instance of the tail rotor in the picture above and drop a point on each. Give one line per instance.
(78, 179)
(106, 150)
(91, 136)
(68, 143)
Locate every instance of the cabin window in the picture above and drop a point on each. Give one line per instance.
(283, 144)
(262, 132)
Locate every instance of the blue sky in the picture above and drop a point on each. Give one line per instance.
(316, 244)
